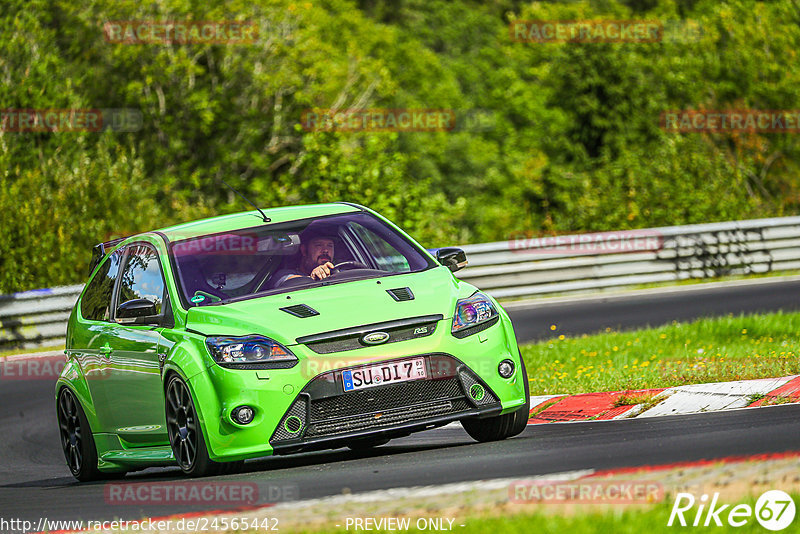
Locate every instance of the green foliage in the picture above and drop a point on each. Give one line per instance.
(572, 142)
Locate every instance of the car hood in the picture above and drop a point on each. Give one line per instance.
(344, 305)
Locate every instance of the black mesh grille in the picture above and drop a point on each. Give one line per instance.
(300, 310)
(326, 411)
(384, 419)
(299, 410)
(401, 294)
(385, 398)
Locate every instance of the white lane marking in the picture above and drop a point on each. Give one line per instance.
(713, 397)
(627, 414)
(538, 400)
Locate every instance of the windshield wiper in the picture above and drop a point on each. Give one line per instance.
(267, 293)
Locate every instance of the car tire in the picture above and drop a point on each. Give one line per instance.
(186, 434)
(230, 468)
(502, 426)
(362, 445)
(76, 437)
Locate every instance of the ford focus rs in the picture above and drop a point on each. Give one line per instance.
(275, 332)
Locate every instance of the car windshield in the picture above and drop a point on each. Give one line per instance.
(276, 258)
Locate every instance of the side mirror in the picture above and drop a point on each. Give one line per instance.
(138, 311)
(451, 257)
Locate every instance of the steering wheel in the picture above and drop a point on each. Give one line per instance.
(347, 265)
(336, 269)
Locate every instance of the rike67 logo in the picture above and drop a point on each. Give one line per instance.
(774, 510)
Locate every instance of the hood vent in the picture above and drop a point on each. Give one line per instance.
(401, 294)
(300, 310)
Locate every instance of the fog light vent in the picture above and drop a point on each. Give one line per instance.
(477, 392)
(293, 424)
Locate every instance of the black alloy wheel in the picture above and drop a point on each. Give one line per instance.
(76, 438)
(186, 437)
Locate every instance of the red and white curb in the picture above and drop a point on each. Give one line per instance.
(678, 400)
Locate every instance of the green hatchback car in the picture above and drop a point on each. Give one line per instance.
(274, 332)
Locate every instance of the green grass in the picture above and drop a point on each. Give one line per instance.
(651, 519)
(648, 400)
(707, 350)
(779, 399)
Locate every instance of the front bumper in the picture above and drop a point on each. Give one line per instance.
(326, 421)
(324, 416)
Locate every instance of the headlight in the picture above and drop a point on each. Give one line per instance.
(251, 352)
(473, 315)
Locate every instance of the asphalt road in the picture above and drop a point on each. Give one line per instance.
(653, 308)
(35, 482)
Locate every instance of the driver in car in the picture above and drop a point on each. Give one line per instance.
(316, 260)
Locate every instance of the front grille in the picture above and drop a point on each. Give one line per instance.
(323, 410)
(385, 398)
(300, 310)
(384, 419)
(352, 338)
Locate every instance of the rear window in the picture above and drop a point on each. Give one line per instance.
(96, 300)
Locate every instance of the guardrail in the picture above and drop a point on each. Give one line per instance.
(526, 267)
(36, 318)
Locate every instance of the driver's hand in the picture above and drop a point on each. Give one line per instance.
(322, 271)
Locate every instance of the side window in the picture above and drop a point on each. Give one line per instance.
(387, 258)
(142, 278)
(96, 301)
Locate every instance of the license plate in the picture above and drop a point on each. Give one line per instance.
(385, 373)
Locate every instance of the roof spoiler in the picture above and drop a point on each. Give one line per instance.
(99, 252)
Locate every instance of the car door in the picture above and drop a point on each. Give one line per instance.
(133, 385)
(89, 342)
